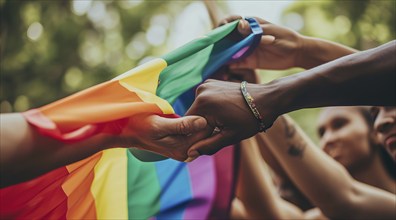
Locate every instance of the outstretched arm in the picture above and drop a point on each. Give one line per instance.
(364, 78)
(26, 154)
(325, 182)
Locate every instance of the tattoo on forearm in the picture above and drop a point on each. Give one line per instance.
(296, 150)
(296, 145)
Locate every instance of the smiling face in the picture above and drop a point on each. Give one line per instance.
(385, 126)
(344, 135)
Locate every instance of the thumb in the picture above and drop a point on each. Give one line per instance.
(184, 125)
(244, 27)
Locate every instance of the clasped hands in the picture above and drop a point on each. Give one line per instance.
(218, 117)
(211, 123)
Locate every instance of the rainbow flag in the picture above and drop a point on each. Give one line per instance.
(114, 184)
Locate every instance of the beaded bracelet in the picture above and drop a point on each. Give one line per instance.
(250, 102)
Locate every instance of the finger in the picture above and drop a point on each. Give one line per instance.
(271, 29)
(182, 126)
(244, 28)
(210, 145)
(179, 144)
(261, 21)
(267, 40)
(229, 19)
(199, 135)
(189, 124)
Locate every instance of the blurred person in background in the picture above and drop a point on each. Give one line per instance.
(366, 193)
(385, 125)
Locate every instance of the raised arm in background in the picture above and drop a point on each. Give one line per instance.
(325, 182)
(256, 193)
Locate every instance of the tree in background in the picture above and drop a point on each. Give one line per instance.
(50, 49)
(359, 24)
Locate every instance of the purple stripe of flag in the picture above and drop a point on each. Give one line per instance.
(203, 183)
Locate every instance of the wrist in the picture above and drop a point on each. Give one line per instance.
(302, 42)
(105, 141)
(284, 93)
(253, 107)
(271, 99)
(315, 52)
(306, 52)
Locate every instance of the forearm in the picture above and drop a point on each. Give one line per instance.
(315, 52)
(268, 157)
(363, 78)
(325, 182)
(26, 154)
(255, 187)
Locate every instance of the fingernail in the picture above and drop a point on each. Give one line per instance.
(192, 155)
(268, 39)
(190, 159)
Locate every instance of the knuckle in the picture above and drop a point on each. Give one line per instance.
(156, 132)
(183, 127)
(210, 81)
(179, 155)
(200, 88)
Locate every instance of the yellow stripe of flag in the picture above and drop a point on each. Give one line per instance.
(141, 81)
(109, 187)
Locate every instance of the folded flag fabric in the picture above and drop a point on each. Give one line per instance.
(113, 184)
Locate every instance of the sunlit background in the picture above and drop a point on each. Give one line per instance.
(51, 49)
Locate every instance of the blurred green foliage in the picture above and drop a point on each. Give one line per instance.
(50, 49)
(359, 24)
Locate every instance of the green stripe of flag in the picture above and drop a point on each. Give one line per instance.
(186, 64)
(143, 189)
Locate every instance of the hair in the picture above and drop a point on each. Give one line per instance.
(386, 159)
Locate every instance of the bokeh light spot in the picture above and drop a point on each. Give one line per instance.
(81, 7)
(35, 31)
(21, 103)
(73, 77)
